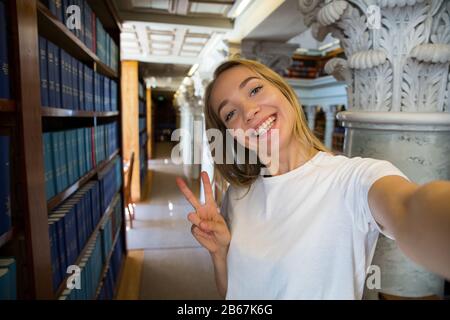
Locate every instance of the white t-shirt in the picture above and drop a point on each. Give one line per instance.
(305, 234)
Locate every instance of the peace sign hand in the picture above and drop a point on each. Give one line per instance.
(208, 226)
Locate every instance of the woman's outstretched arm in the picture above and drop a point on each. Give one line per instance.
(418, 217)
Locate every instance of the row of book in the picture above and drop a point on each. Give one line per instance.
(71, 226)
(8, 278)
(70, 154)
(109, 284)
(69, 84)
(110, 182)
(93, 263)
(5, 92)
(82, 21)
(5, 184)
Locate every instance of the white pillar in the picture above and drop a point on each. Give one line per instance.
(311, 112)
(330, 117)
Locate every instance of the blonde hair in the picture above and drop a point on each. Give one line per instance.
(245, 174)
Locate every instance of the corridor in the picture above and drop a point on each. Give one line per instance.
(174, 266)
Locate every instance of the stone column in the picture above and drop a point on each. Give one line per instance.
(330, 117)
(311, 115)
(397, 72)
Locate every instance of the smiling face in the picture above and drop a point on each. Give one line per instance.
(242, 99)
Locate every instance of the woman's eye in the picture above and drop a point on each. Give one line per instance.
(255, 90)
(229, 115)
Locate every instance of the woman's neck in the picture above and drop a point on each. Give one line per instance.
(292, 156)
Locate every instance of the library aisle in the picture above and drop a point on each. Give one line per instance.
(173, 264)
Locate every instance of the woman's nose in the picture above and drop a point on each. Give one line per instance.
(251, 110)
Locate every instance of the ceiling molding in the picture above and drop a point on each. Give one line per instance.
(218, 24)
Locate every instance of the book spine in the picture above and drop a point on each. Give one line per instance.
(43, 71)
(94, 31)
(81, 103)
(74, 74)
(69, 78)
(49, 167)
(64, 166)
(51, 74)
(58, 85)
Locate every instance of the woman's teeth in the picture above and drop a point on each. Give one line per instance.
(265, 126)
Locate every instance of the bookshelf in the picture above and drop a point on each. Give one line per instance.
(306, 66)
(28, 240)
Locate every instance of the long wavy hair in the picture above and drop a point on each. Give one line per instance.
(244, 175)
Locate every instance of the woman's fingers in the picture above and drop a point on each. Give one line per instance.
(188, 193)
(207, 186)
(212, 226)
(198, 232)
(194, 218)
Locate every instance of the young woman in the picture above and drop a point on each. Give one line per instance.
(309, 229)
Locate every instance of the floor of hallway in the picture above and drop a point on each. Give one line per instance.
(165, 261)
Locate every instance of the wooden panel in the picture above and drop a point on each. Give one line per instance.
(149, 123)
(32, 162)
(130, 121)
(130, 285)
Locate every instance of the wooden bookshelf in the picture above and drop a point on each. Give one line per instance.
(7, 105)
(28, 240)
(91, 239)
(57, 112)
(62, 196)
(55, 31)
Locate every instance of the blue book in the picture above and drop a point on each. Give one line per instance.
(88, 88)
(87, 22)
(5, 185)
(4, 59)
(49, 167)
(61, 242)
(88, 154)
(113, 97)
(56, 272)
(57, 57)
(107, 94)
(43, 71)
(10, 265)
(51, 48)
(75, 164)
(69, 158)
(80, 152)
(57, 166)
(59, 10)
(74, 73)
(80, 68)
(64, 161)
(70, 104)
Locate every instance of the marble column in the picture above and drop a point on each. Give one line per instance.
(330, 118)
(397, 73)
(311, 115)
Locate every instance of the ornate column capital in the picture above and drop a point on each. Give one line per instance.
(398, 52)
